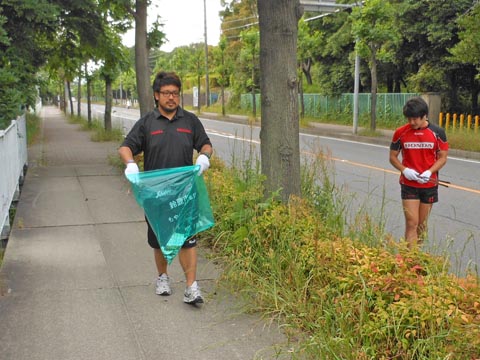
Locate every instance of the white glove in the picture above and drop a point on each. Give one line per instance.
(132, 168)
(204, 163)
(425, 177)
(411, 174)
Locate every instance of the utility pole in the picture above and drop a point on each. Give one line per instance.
(355, 92)
(207, 86)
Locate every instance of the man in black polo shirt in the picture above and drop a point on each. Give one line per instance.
(167, 136)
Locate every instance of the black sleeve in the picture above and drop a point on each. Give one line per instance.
(200, 136)
(439, 131)
(397, 145)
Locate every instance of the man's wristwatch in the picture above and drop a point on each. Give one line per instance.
(206, 154)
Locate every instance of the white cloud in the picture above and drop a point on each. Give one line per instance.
(183, 22)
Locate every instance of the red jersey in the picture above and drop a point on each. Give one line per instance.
(419, 149)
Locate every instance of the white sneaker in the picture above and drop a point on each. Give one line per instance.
(192, 294)
(163, 285)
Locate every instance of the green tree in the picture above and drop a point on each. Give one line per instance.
(373, 27)
(26, 31)
(238, 16)
(331, 45)
(306, 49)
(429, 28)
(144, 42)
(249, 56)
(180, 64)
(467, 50)
(115, 58)
(197, 67)
(223, 68)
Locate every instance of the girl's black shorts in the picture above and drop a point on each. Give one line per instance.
(425, 195)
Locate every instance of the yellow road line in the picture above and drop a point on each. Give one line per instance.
(353, 163)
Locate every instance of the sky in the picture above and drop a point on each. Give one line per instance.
(183, 22)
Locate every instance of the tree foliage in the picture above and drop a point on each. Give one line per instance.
(26, 31)
(376, 39)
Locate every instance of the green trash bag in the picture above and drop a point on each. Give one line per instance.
(176, 204)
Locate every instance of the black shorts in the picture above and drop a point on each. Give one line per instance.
(425, 195)
(153, 242)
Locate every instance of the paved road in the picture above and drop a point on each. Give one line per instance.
(77, 278)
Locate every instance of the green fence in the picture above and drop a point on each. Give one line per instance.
(389, 106)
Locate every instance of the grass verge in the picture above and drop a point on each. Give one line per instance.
(464, 140)
(34, 123)
(99, 134)
(361, 296)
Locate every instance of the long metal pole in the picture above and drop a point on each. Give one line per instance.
(207, 87)
(356, 87)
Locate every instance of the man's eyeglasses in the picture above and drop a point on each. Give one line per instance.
(167, 94)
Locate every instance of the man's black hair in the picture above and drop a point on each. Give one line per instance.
(164, 78)
(415, 107)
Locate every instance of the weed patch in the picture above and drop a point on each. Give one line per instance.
(464, 140)
(33, 127)
(99, 134)
(349, 299)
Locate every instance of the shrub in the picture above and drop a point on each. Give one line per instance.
(343, 298)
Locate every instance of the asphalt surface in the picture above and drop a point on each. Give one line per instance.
(382, 136)
(77, 281)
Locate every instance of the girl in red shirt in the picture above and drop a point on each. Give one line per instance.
(424, 149)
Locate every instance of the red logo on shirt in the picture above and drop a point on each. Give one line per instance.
(156, 132)
(188, 131)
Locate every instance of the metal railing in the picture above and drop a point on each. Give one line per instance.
(389, 105)
(14, 160)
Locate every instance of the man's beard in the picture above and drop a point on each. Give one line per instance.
(169, 110)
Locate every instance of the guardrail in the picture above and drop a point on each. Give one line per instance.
(14, 160)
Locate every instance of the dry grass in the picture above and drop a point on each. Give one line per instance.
(467, 140)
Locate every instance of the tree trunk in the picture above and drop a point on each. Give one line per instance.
(280, 151)
(79, 92)
(145, 96)
(69, 92)
(89, 96)
(254, 102)
(223, 83)
(223, 99)
(108, 105)
(306, 67)
(373, 100)
(300, 90)
(89, 101)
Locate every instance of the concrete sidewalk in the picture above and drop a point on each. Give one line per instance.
(78, 276)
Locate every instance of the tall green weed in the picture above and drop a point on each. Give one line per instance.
(340, 296)
(99, 134)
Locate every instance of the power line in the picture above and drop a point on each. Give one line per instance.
(235, 20)
(240, 27)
